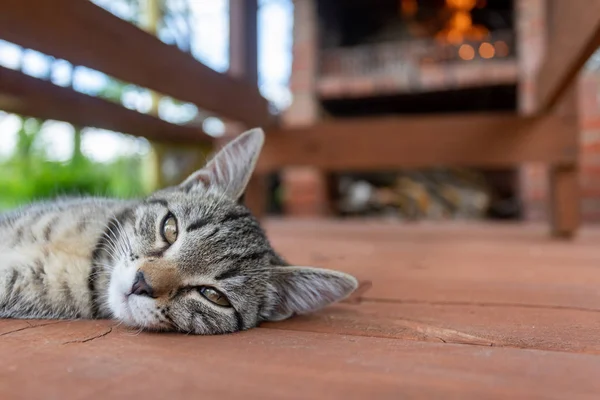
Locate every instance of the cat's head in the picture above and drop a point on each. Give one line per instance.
(192, 258)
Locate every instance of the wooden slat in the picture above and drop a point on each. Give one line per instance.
(87, 35)
(96, 360)
(574, 35)
(552, 329)
(423, 141)
(28, 96)
(451, 264)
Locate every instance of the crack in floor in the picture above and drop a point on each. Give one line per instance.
(30, 326)
(110, 329)
(422, 333)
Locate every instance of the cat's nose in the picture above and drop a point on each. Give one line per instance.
(141, 287)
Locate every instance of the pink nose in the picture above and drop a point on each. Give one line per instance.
(140, 286)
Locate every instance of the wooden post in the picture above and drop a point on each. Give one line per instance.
(162, 151)
(243, 63)
(564, 200)
(152, 16)
(243, 39)
(564, 189)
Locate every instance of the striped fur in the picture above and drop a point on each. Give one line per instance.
(79, 258)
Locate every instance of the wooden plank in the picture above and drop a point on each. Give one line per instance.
(95, 360)
(87, 35)
(436, 346)
(422, 141)
(551, 329)
(574, 35)
(28, 96)
(451, 264)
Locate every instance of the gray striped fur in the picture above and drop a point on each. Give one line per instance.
(78, 257)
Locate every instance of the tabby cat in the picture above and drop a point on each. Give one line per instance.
(188, 258)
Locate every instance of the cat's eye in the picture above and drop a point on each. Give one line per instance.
(169, 229)
(214, 296)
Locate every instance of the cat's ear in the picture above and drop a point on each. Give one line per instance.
(301, 290)
(231, 168)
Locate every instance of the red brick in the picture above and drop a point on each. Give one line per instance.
(590, 123)
(305, 191)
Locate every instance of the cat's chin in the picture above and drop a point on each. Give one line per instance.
(131, 310)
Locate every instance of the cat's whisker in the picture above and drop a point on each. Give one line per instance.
(118, 246)
(123, 236)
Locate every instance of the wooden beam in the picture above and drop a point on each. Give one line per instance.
(28, 96)
(369, 144)
(87, 35)
(574, 35)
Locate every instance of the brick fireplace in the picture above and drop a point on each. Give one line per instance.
(418, 56)
(409, 46)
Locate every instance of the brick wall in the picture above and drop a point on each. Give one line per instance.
(589, 109)
(305, 192)
(534, 178)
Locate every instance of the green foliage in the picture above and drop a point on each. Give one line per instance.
(28, 176)
(113, 91)
(23, 181)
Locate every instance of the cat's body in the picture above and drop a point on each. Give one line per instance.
(45, 258)
(188, 258)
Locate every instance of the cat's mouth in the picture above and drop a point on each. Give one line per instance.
(119, 294)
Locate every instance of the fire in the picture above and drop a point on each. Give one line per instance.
(460, 25)
(408, 7)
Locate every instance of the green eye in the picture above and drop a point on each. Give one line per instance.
(214, 296)
(169, 229)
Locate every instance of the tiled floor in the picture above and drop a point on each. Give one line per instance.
(453, 311)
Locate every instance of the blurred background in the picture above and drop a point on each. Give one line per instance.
(44, 158)
(318, 60)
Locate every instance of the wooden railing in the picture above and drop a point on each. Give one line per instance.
(87, 35)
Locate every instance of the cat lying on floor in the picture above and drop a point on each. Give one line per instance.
(188, 258)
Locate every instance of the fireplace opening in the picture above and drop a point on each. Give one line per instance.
(358, 22)
(390, 57)
(406, 47)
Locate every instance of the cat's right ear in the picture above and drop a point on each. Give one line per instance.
(230, 169)
(301, 290)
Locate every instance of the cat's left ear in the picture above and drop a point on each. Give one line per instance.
(301, 290)
(231, 168)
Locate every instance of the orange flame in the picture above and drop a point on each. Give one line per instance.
(460, 25)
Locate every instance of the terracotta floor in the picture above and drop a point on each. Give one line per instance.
(454, 311)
